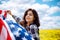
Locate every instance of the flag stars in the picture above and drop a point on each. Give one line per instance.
(24, 38)
(12, 26)
(19, 29)
(17, 34)
(26, 33)
(32, 38)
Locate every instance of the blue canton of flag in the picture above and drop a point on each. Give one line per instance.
(18, 31)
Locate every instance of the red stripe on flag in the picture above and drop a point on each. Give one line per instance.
(5, 14)
(0, 11)
(0, 26)
(3, 25)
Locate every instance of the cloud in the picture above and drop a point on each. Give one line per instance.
(23, 1)
(18, 7)
(38, 6)
(18, 1)
(50, 22)
(52, 10)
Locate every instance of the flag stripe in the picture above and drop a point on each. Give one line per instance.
(5, 14)
(0, 25)
(0, 11)
(3, 25)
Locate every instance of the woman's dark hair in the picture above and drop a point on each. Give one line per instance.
(36, 20)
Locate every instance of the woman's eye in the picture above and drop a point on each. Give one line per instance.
(30, 14)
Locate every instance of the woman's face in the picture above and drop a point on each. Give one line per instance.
(29, 17)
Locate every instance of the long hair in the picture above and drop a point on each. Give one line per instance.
(36, 20)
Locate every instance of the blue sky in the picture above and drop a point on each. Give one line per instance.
(48, 10)
(48, 2)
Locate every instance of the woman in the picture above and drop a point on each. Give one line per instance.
(30, 22)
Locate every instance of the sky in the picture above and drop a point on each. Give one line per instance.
(48, 10)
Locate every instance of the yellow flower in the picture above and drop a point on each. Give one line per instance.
(49, 34)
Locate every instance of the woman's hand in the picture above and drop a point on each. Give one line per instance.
(8, 11)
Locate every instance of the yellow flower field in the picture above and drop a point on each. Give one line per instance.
(49, 34)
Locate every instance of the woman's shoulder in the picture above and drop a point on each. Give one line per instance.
(33, 26)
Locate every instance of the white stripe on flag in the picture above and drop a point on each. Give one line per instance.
(10, 33)
(5, 32)
(3, 35)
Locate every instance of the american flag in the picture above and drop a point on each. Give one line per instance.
(4, 33)
(10, 30)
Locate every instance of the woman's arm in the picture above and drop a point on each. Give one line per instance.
(17, 19)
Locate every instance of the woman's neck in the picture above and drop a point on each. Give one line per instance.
(28, 24)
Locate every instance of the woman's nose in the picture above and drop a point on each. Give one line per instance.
(27, 15)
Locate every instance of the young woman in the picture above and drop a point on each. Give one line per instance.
(30, 22)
